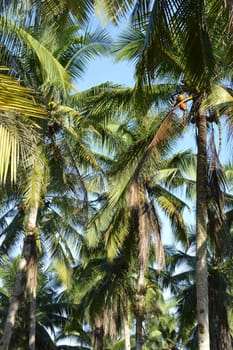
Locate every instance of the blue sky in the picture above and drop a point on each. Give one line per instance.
(104, 69)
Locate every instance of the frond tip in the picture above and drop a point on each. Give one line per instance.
(16, 138)
(9, 151)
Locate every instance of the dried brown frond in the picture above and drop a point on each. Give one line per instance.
(218, 230)
(144, 235)
(159, 251)
(112, 318)
(162, 135)
(134, 195)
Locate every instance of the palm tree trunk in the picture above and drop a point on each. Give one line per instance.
(31, 290)
(220, 335)
(15, 301)
(126, 326)
(127, 334)
(201, 236)
(32, 273)
(98, 336)
(139, 311)
(139, 336)
(139, 210)
(21, 279)
(144, 246)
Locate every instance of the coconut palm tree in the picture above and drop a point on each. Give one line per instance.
(52, 311)
(57, 12)
(52, 210)
(181, 42)
(219, 254)
(54, 227)
(136, 189)
(33, 191)
(56, 82)
(219, 277)
(103, 290)
(18, 138)
(182, 283)
(31, 53)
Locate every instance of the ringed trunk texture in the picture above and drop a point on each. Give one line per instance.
(21, 282)
(201, 235)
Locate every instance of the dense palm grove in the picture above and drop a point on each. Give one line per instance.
(93, 183)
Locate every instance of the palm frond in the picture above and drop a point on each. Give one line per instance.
(116, 9)
(63, 10)
(37, 179)
(116, 233)
(129, 44)
(60, 239)
(166, 130)
(52, 70)
(173, 208)
(17, 99)
(18, 141)
(63, 271)
(177, 32)
(107, 101)
(133, 164)
(82, 49)
(11, 236)
(218, 96)
(157, 230)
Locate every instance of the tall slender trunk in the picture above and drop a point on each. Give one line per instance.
(139, 210)
(16, 296)
(126, 325)
(139, 335)
(139, 310)
(220, 334)
(98, 334)
(127, 334)
(201, 235)
(31, 294)
(144, 246)
(21, 279)
(32, 273)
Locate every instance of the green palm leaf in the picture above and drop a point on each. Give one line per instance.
(17, 138)
(52, 71)
(18, 99)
